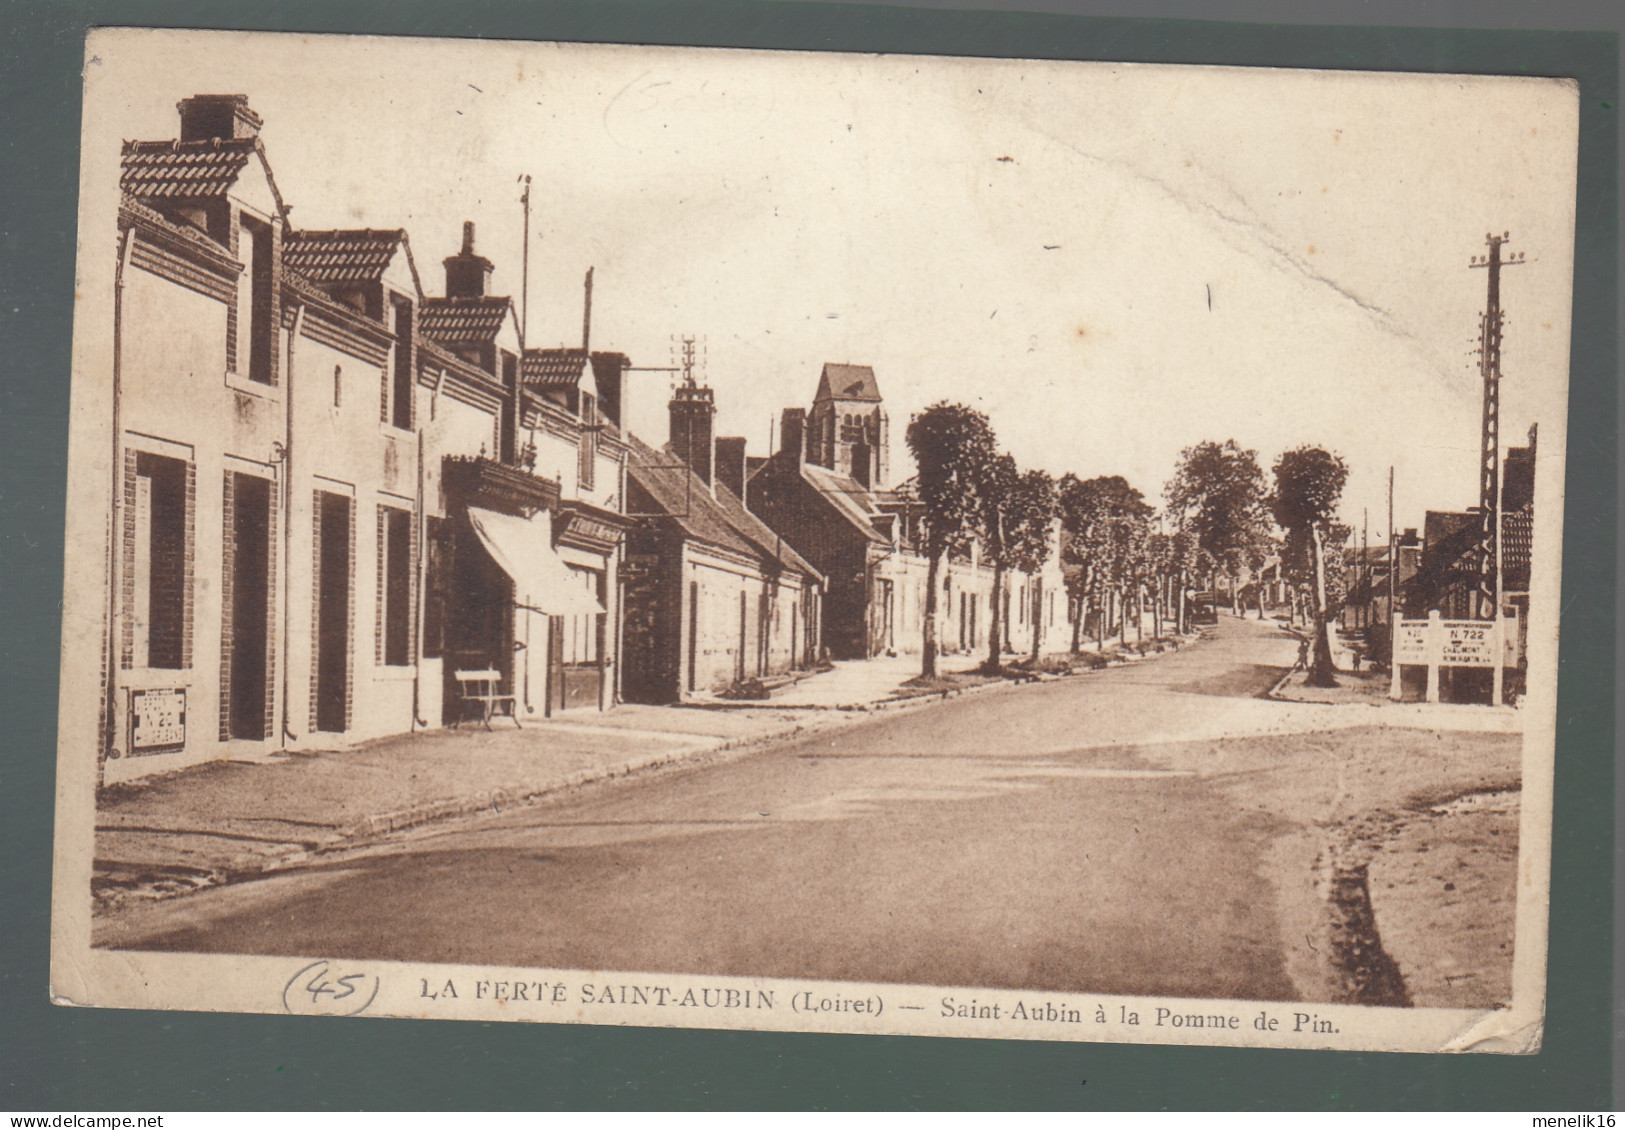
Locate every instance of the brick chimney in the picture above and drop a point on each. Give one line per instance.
(610, 370)
(205, 117)
(793, 434)
(467, 275)
(693, 409)
(731, 464)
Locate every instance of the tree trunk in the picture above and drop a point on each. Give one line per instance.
(928, 645)
(1322, 673)
(1038, 616)
(995, 637)
(1074, 605)
(1139, 613)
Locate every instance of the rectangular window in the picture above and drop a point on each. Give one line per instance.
(401, 394)
(160, 561)
(395, 530)
(583, 633)
(508, 420)
(255, 250)
(588, 451)
(438, 548)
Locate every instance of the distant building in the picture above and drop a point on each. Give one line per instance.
(1447, 575)
(1367, 611)
(826, 492)
(713, 596)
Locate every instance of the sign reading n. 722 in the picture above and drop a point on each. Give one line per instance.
(1468, 643)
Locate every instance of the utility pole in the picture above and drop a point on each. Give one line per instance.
(1393, 552)
(1489, 463)
(586, 312)
(1365, 563)
(524, 267)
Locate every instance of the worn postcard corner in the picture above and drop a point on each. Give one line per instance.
(814, 542)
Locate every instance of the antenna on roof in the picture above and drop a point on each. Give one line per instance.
(688, 361)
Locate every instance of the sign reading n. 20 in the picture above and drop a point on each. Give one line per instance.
(157, 720)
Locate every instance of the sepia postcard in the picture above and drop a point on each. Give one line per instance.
(814, 542)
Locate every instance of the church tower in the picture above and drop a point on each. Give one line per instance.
(846, 430)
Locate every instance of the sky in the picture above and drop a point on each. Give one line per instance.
(1114, 262)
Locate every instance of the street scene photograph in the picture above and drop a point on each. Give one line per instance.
(944, 546)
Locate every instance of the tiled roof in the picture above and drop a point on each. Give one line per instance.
(847, 496)
(463, 319)
(435, 357)
(176, 169)
(1517, 546)
(720, 519)
(328, 257)
(554, 368)
(185, 233)
(847, 382)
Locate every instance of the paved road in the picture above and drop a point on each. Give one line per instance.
(1024, 837)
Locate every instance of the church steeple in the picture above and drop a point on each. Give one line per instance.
(847, 428)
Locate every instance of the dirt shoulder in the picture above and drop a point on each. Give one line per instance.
(1392, 854)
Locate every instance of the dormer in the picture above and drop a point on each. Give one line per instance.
(566, 378)
(366, 270)
(214, 177)
(481, 328)
(215, 169)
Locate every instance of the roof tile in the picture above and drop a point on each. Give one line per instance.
(152, 169)
(554, 368)
(463, 319)
(329, 257)
(717, 518)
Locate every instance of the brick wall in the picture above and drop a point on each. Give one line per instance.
(127, 566)
(228, 591)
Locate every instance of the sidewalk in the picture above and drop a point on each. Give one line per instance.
(851, 684)
(1365, 694)
(226, 819)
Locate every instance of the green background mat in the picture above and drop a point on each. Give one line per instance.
(57, 1059)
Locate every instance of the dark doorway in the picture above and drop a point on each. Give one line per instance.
(476, 615)
(333, 614)
(693, 630)
(556, 697)
(250, 603)
(160, 511)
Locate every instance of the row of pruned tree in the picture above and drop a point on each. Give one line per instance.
(1236, 520)
(1119, 557)
(971, 491)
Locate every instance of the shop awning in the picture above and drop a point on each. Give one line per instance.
(524, 549)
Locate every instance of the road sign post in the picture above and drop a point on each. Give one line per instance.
(1436, 643)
